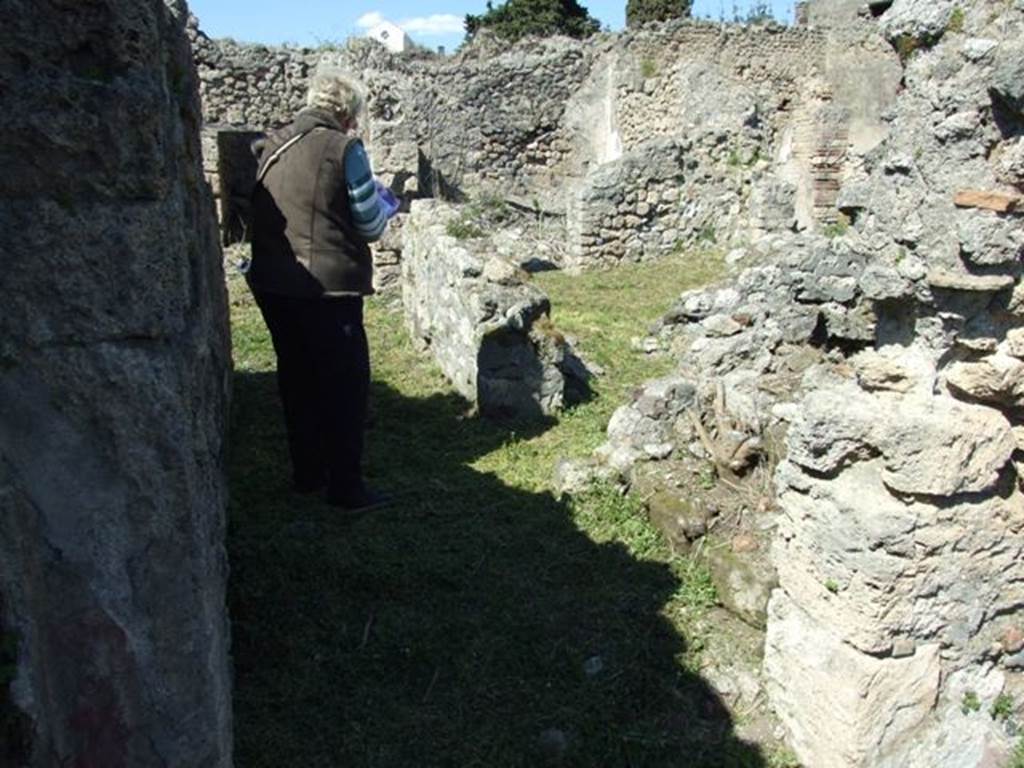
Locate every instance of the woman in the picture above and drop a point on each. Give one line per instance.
(315, 208)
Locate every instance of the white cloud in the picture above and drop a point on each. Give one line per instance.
(435, 24)
(367, 20)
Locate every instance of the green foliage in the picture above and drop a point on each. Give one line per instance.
(1017, 758)
(758, 13)
(478, 217)
(970, 702)
(838, 228)
(708, 477)
(643, 11)
(832, 586)
(648, 69)
(1002, 708)
(462, 229)
(515, 19)
(956, 21)
(783, 758)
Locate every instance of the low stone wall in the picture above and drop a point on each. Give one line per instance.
(114, 382)
(485, 324)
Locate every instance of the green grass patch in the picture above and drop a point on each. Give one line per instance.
(956, 21)
(1003, 707)
(837, 228)
(479, 615)
(1017, 758)
(478, 217)
(970, 702)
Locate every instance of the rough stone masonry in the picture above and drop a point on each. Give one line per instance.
(867, 360)
(649, 140)
(886, 362)
(114, 383)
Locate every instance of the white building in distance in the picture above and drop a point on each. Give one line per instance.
(390, 36)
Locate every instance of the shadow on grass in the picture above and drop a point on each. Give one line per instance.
(472, 624)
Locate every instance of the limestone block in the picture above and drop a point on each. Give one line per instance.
(743, 581)
(939, 446)
(876, 568)
(843, 708)
(880, 283)
(876, 371)
(856, 323)
(998, 379)
(828, 288)
(953, 738)
(1014, 343)
(721, 325)
(1010, 162)
(666, 398)
(680, 519)
(917, 19)
(1008, 74)
(833, 427)
(990, 239)
(977, 48)
(575, 476)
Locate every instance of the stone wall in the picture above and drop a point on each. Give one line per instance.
(114, 365)
(883, 366)
(773, 118)
(488, 328)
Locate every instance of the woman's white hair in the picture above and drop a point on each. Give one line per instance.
(336, 91)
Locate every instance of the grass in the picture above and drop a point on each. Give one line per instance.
(956, 21)
(1017, 758)
(838, 228)
(479, 622)
(970, 702)
(478, 217)
(1003, 707)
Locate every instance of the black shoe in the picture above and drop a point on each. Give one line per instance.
(359, 503)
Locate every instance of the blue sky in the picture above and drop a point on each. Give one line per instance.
(429, 22)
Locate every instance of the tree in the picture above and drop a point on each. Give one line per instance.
(519, 18)
(757, 13)
(641, 11)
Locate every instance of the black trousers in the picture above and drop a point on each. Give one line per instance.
(323, 375)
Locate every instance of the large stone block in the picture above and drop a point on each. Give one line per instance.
(114, 366)
(939, 446)
(877, 569)
(843, 708)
